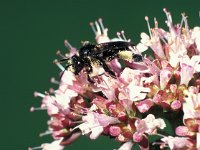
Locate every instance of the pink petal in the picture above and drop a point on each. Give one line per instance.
(186, 73)
(165, 76)
(145, 105)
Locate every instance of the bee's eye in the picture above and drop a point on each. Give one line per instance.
(137, 57)
(86, 51)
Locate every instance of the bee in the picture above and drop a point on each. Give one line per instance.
(90, 54)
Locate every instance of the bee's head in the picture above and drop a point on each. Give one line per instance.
(77, 64)
(74, 64)
(86, 49)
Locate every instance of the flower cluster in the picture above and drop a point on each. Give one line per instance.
(137, 103)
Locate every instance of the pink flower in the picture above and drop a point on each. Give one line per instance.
(48, 102)
(191, 107)
(128, 75)
(108, 86)
(137, 137)
(193, 62)
(182, 131)
(149, 124)
(175, 105)
(115, 106)
(165, 76)
(62, 99)
(72, 50)
(132, 81)
(196, 38)
(176, 142)
(94, 124)
(186, 73)
(145, 105)
(100, 32)
(198, 140)
(55, 145)
(137, 93)
(114, 130)
(67, 79)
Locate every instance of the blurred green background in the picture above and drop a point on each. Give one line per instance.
(31, 31)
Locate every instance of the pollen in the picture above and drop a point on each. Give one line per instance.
(126, 55)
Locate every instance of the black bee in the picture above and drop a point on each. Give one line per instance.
(90, 54)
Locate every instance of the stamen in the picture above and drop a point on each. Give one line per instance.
(53, 80)
(122, 33)
(46, 93)
(169, 18)
(85, 110)
(185, 21)
(162, 38)
(76, 122)
(93, 28)
(101, 24)
(34, 148)
(60, 54)
(72, 50)
(113, 92)
(52, 91)
(76, 112)
(87, 130)
(155, 22)
(59, 65)
(161, 135)
(45, 133)
(156, 143)
(32, 109)
(181, 24)
(68, 45)
(165, 10)
(36, 94)
(80, 115)
(148, 25)
(119, 35)
(98, 28)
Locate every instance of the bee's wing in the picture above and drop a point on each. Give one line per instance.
(112, 46)
(115, 45)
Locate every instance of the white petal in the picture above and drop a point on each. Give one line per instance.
(126, 146)
(141, 47)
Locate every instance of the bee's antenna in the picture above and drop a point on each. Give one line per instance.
(64, 70)
(62, 60)
(61, 55)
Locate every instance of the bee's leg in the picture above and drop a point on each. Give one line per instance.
(89, 79)
(89, 71)
(106, 68)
